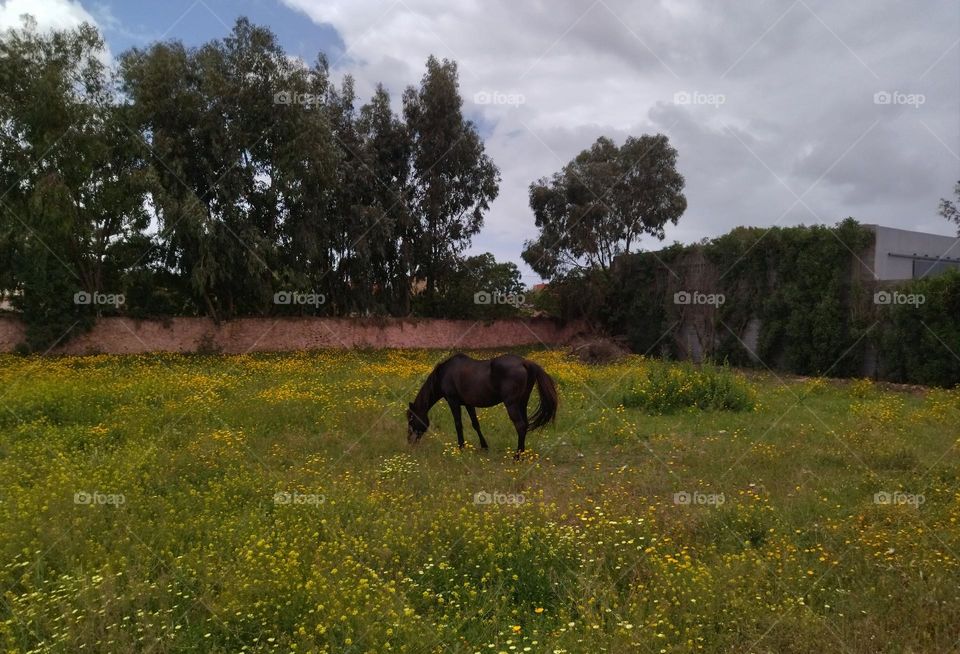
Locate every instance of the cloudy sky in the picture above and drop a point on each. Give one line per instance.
(783, 112)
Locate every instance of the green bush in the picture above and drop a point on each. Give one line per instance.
(919, 342)
(637, 301)
(667, 389)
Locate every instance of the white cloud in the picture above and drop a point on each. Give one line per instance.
(49, 14)
(798, 80)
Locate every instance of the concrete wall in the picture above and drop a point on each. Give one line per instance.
(891, 241)
(126, 336)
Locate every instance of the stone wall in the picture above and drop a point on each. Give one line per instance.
(127, 336)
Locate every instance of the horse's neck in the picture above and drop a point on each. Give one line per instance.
(428, 395)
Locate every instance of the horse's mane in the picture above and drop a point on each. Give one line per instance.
(431, 384)
(430, 390)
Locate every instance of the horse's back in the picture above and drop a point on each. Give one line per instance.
(484, 382)
(501, 362)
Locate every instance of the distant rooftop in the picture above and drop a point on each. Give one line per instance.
(907, 254)
(875, 227)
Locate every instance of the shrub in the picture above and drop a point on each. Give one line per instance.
(600, 351)
(667, 389)
(920, 344)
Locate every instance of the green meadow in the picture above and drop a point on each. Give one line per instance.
(271, 503)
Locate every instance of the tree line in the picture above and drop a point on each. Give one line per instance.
(230, 179)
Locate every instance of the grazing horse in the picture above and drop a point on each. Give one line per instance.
(469, 383)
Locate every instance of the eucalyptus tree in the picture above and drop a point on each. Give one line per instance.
(242, 163)
(209, 179)
(602, 203)
(389, 225)
(72, 217)
(453, 180)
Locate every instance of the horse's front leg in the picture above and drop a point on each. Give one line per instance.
(457, 420)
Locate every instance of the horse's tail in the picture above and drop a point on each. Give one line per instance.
(547, 407)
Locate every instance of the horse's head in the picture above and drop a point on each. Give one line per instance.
(417, 424)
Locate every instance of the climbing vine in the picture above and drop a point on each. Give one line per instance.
(801, 283)
(637, 302)
(918, 339)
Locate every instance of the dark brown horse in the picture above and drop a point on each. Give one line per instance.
(466, 382)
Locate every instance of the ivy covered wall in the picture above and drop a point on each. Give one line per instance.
(794, 299)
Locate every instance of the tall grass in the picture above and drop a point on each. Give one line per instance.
(670, 388)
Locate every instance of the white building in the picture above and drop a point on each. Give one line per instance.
(900, 254)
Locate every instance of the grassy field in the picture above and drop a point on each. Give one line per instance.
(271, 503)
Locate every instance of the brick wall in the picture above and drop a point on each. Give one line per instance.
(127, 336)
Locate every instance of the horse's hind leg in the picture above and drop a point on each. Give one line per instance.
(518, 415)
(476, 425)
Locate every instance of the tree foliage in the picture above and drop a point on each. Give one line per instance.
(477, 287)
(920, 343)
(241, 181)
(602, 203)
(73, 179)
(453, 180)
(949, 208)
(210, 180)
